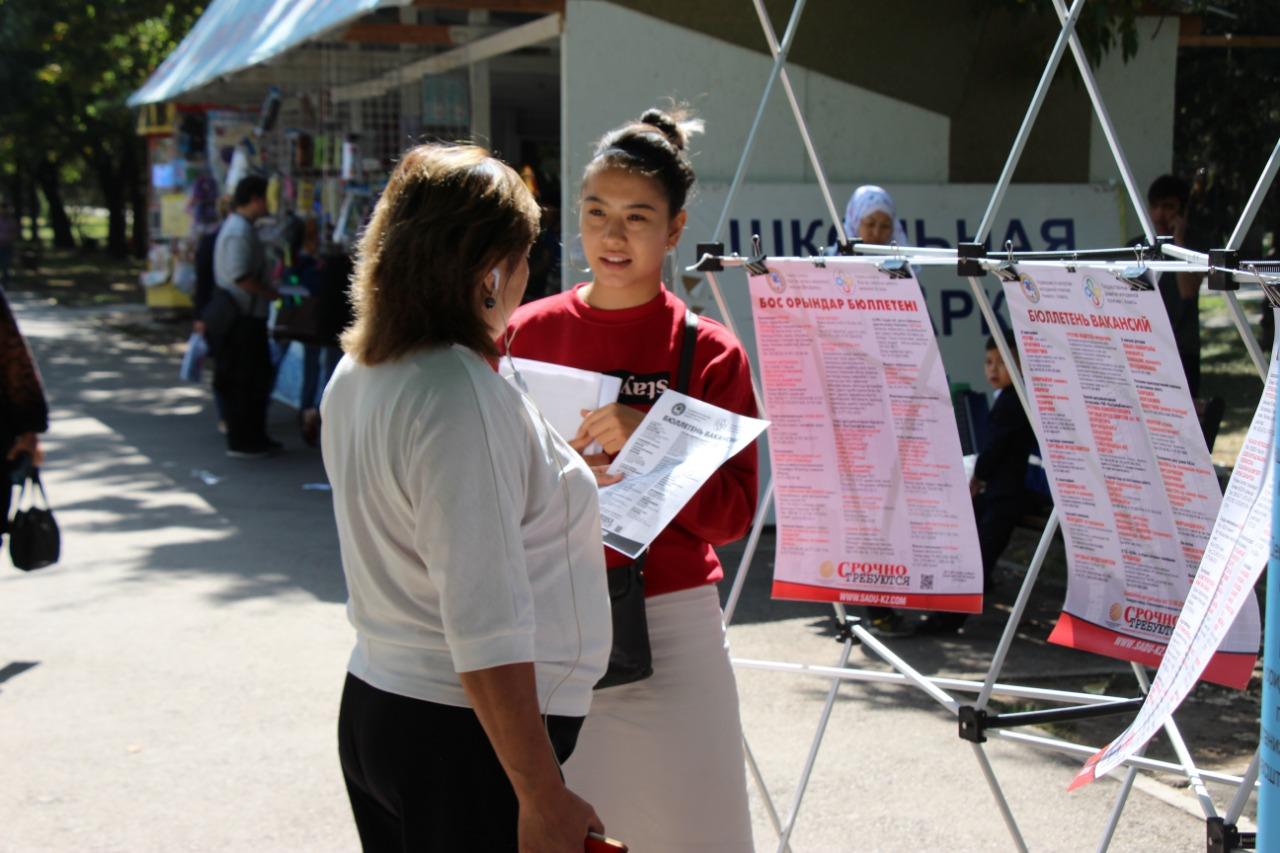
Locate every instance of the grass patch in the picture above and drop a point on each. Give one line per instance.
(1226, 371)
(79, 278)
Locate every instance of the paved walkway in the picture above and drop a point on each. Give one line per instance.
(172, 684)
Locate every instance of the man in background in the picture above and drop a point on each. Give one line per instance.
(1167, 201)
(243, 374)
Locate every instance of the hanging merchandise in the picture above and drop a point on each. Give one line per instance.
(240, 166)
(159, 259)
(175, 218)
(225, 130)
(306, 198)
(273, 195)
(351, 165)
(269, 113)
(192, 133)
(319, 150)
(204, 201)
(331, 197)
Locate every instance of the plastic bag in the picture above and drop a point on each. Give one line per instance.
(193, 360)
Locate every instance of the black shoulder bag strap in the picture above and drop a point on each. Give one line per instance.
(686, 351)
(631, 658)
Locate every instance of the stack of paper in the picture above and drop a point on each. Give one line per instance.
(561, 393)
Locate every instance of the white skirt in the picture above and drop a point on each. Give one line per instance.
(661, 760)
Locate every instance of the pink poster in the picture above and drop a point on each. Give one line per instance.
(871, 496)
(1221, 598)
(1127, 463)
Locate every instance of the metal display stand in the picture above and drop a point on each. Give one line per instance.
(974, 721)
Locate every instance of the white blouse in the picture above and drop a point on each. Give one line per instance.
(470, 531)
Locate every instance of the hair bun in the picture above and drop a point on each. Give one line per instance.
(677, 127)
(667, 125)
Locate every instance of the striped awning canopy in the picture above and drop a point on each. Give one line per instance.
(233, 35)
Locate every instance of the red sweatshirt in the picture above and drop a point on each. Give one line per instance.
(642, 345)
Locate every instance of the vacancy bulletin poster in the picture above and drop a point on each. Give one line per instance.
(872, 502)
(1127, 463)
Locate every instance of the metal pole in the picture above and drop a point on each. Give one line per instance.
(1028, 121)
(1083, 751)
(1246, 334)
(1121, 799)
(998, 793)
(1108, 130)
(1233, 304)
(744, 565)
(798, 797)
(836, 219)
(1010, 363)
(779, 59)
(879, 676)
(1254, 204)
(764, 791)
(1189, 768)
(1241, 799)
(936, 693)
(1019, 607)
(727, 318)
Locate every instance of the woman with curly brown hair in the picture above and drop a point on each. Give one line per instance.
(470, 532)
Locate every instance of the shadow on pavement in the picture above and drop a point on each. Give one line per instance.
(160, 466)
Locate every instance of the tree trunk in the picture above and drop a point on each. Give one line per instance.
(137, 193)
(47, 178)
(32, 204)
(113, 193)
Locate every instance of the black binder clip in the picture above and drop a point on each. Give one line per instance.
(1221, 262)
(709, 255)
(849, 247)
(896, 267)
(756, 263)
(968, 259)
(1137, 274)
(1007, 271)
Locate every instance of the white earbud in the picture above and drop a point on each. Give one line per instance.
(491, 300)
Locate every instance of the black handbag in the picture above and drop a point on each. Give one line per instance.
(631, 657)
(34, 540)
(219, 316)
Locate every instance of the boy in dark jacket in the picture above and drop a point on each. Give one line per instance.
(999, 479)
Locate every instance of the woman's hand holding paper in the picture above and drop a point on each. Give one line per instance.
(609, 425)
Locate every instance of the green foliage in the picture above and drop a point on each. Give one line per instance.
(1103, 25)
(1228, 122)
(66, 70)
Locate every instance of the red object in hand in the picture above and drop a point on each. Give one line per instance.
(597, 843)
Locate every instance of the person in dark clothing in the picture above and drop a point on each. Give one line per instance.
(1167, 200)
(205, 285)
(243, 373)
(999, 479)
(24, 413)
(333, 315)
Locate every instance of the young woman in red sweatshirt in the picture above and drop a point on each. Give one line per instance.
(660, 758)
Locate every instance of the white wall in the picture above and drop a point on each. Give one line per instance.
(1139, 95)
(618, 62)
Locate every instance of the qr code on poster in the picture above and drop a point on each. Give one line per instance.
(926, 581)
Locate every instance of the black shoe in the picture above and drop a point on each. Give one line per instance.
(273, 446)
(258, 452)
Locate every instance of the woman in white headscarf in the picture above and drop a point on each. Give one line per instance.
(872, 217)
